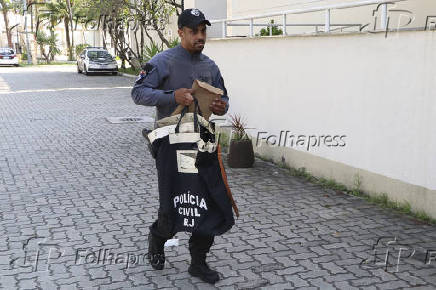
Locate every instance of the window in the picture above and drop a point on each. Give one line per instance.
(98, 54)
(6, 51)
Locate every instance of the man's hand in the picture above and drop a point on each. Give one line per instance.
(218, 107)
(183, 97)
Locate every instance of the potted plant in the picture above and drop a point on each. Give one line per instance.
(241, 154)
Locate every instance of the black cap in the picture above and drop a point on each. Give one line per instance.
(192, 18)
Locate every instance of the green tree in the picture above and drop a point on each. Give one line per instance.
(116, 17)
(6, 6)
(154, 15)
(53, 19)
(55, 12)
(44, 41)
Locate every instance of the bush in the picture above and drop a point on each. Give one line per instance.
(174, 42)
(151, 50)
(275, 30)
(44, 40)
(238, 128)
(80, 47)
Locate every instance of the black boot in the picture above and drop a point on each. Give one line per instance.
(156, 254)
(200, 269)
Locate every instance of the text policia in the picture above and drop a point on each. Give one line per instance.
(286, 139)
(190, 206)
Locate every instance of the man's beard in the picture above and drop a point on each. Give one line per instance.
(199, 48)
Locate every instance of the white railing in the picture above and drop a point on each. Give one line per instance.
(326, 8)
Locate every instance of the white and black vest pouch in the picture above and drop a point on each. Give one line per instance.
(192, 192)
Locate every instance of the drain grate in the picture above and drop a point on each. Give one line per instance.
(122, 120)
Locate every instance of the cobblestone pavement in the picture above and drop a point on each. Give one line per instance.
(78, 193)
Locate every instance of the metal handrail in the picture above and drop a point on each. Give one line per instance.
(296, 24)
(326, 8)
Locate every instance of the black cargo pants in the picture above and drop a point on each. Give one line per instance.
(199, 245)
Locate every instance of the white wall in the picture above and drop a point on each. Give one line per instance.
(13, 20)
(419, 9)
(379, 92)
(216, 9)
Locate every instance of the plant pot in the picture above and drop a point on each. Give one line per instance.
(241, 154)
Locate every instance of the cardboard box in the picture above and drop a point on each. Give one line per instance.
(205, 94)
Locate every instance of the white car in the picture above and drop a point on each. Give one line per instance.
(96, 59)
(8, 56)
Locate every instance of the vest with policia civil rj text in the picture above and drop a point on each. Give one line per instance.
(193, 191)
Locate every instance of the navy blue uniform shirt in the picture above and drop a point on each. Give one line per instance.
(170, 70)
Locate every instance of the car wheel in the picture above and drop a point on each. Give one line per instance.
(85, 71)
(78, 69)
(16, 64)
(114, 73)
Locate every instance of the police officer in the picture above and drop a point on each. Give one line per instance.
(166, 83)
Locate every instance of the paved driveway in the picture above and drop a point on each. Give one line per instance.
(78, 193)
